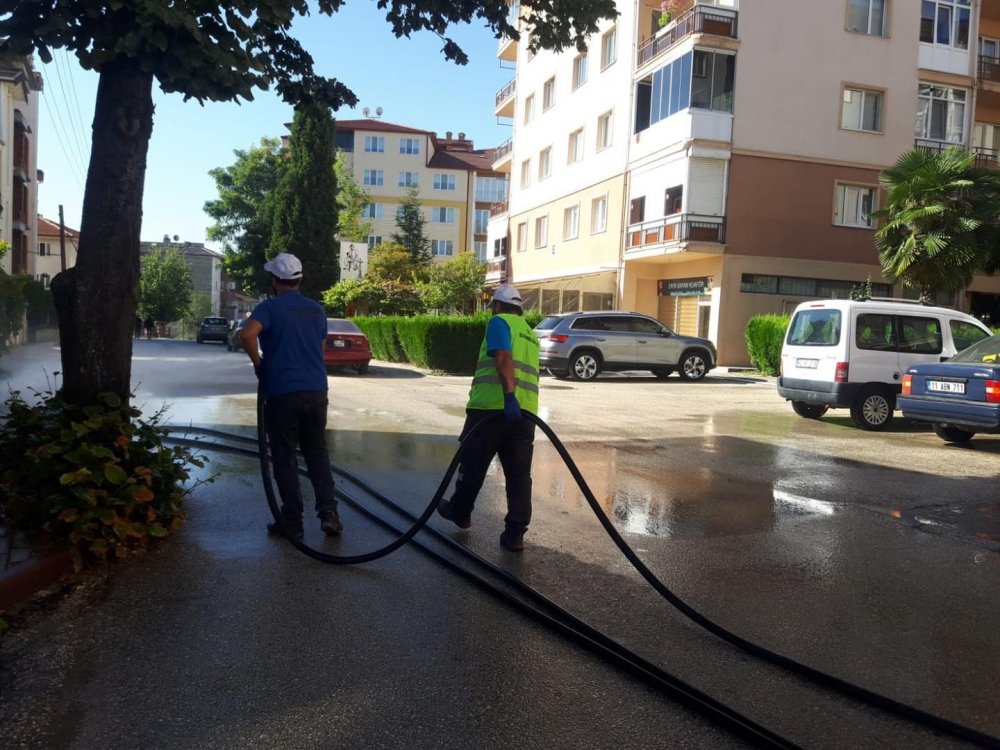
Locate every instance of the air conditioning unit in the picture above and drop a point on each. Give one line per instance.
(231, 286)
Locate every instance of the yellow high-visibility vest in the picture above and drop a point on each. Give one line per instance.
(487, 391)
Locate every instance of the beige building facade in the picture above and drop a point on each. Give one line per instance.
(745, 152)
(20, 85)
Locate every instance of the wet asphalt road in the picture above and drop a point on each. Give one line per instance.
(871, 556)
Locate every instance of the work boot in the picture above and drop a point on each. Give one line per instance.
(448, 510)
(512, 540)
(292, 532)
(330, 523)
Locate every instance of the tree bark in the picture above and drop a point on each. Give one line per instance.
(97, 299)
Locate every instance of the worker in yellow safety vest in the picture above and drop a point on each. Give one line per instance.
(506, 382)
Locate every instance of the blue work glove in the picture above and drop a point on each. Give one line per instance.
(511, 409)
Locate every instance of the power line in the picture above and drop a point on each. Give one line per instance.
(69, 162)
(74, 142)
(84, 139)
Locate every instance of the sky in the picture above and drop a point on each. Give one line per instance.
(408, 78)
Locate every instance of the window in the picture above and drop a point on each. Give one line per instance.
(479, 248)
(525, 173)
(482, 221)
(544, 163)
(409, 146)
(442, 215)
(604, 131)
(673, 200)
(941, 114)
(374, 144)
(989, 48)
(542, 231)
(862, 110)
(409, 179)
(712, 75)
(579, 70)
(491, 189)
(637, 210)
(530, 47)
(43, 249)
(444, 182)
(529, 108)
(374, 177)
(571, 222)
(965, 334)
(599, 214)
(45, 279)
(609, 47)
(442, 247)
(945, 22)
(919, 335)
(854, 205)
(374, 240)
(522, 236)
(645, 325)
(400, 212)
(754, 283)
(549, 94)
(374, 211)
(575, 150)
(815, 328)
(875, 332)
(866, 17)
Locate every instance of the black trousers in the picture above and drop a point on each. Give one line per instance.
(295, 419)
(513, 443)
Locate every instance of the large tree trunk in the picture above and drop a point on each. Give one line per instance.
(96, 300)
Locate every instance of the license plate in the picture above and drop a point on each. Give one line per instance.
(339, 343)
(807, 364)
(945, 386)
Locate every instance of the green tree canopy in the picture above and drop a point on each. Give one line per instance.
(388, 288)
(207, 51)
(242, 212)
(351, 200)
(454, 284)
(410, 225)
(940, 220)
(165, 284)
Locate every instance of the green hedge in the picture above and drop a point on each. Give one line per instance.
(764, 335)
(448, 343)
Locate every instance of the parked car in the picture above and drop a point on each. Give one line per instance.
(583, 344)
(233, 342)
(853, 353)
(346, 346)
(213, 329)
(959, 397)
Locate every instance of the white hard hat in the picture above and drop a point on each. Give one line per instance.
(507, 293)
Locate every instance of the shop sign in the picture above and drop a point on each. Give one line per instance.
(683, 287)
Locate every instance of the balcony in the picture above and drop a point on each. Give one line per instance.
(505, 99)
(503, 156)
(988, 69)
(697, 20)
(507, 47)
(677, 230)
(499, 209)
(985, 158)
(496, 270)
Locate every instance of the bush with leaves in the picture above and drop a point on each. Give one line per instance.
(97, 480)
(764, 335)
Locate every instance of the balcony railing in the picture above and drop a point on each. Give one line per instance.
(499, 208)
(503, 151)
(677, 228)
(986, 158)
(989, 68)
(506, 92)
(496, 268)
(697, 20)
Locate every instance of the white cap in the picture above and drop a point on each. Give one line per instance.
(285, 266)
(507, 293)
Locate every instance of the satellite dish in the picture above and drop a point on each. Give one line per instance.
(366, 112)
(378, 111)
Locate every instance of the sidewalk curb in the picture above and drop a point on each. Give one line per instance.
(25, 580)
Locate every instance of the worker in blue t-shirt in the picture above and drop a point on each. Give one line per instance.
(290, 330)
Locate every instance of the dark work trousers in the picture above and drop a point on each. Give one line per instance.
(293, 420)
(514, 444)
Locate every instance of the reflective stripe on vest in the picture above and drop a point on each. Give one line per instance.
(487, 391)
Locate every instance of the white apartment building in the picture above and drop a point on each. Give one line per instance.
(738, 149)
(19, 176)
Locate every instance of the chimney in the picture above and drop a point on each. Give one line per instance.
(461, 136)
(447, 135)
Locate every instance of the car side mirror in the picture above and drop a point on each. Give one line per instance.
(665, 332)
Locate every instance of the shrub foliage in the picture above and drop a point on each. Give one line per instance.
(764, 336)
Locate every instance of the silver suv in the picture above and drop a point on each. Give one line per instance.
(582, 344)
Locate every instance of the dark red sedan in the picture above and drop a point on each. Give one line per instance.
(345, 346)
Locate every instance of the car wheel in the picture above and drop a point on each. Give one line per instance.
(692, 366)
(584, 366)
(664, 373)
(559, 374)
(952, 434)
(809, 411)
(199, 340)
(363, 369)
(872, 409)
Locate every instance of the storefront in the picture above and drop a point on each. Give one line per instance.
(685, 305)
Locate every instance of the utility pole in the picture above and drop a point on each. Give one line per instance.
(62, 240)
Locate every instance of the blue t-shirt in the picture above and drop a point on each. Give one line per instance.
(292, 344)
(497, 336)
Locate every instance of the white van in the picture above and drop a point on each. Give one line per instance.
(853, 353)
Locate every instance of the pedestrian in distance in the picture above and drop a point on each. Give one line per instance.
(505, 382)
(138, 327)
(148, 325)
(284, 338)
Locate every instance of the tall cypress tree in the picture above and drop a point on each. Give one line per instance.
(410, 222)
(305, 203)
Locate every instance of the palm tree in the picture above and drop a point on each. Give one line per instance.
(940, 220)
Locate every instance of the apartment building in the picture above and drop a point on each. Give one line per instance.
(54, 254)
(20, 85)
(206, 269)
(456, 183)
(739, 150)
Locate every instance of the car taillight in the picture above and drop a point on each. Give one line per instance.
(840, 374)
(907, 385)
(993, 391)
(559, 338)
